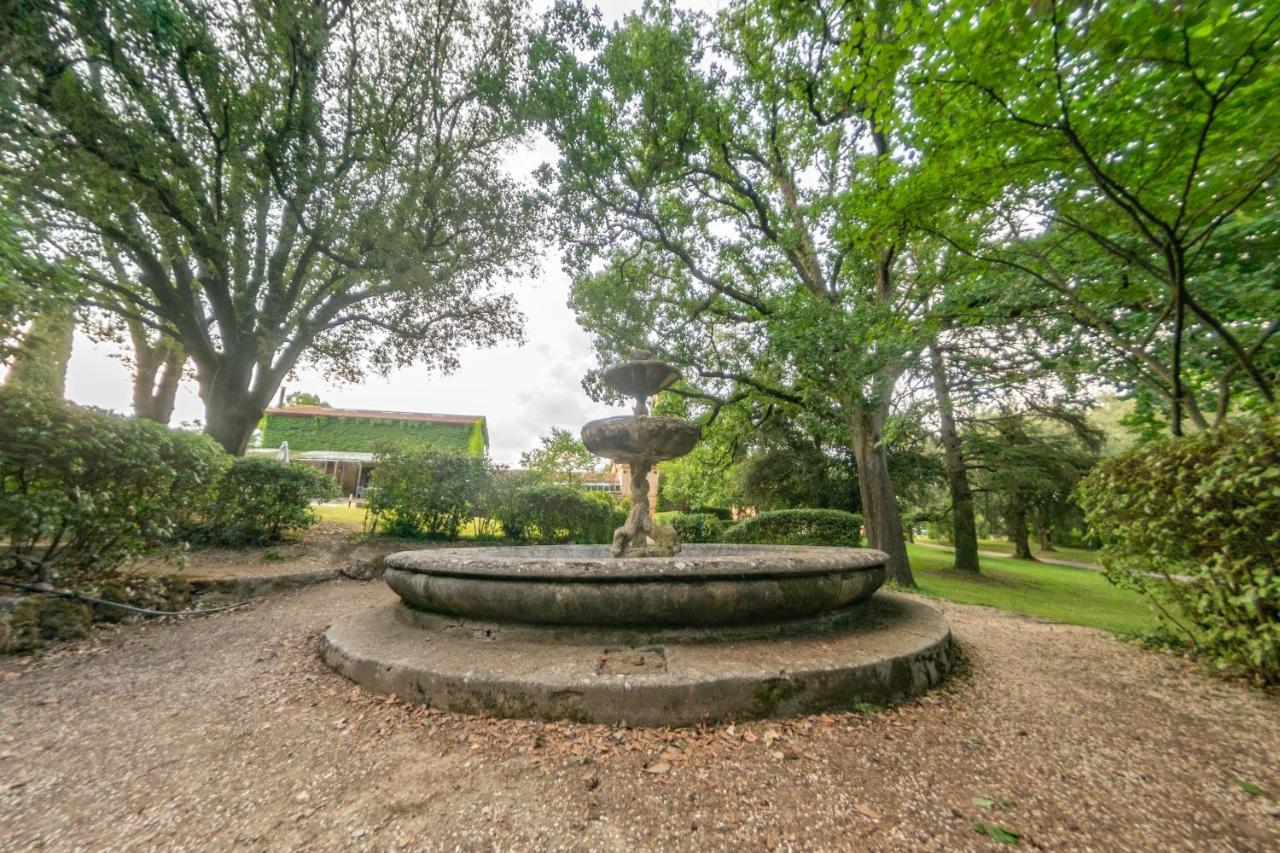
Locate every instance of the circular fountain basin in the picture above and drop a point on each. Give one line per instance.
(704, 585)
(635, 437)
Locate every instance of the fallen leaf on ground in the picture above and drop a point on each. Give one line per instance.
(996, 832)
(658, 768)
(866, 811)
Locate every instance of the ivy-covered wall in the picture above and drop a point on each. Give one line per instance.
(371, 435)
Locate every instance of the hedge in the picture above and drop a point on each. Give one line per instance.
(82, 490)
(1194, 523)
(693, 526)
(258, 500)
(426, 493)
(798, 527)
(547, 513)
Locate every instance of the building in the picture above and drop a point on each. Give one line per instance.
(345, 442)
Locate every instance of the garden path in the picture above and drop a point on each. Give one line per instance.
(228, 731)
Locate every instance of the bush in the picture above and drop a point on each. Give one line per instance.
(82, 490)
(1205, 507)
(720, 512)
(427, 493)
(798, 527)
(693, 526)
(258, 500)
(549, 512)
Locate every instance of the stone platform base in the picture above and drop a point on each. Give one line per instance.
(882, 651)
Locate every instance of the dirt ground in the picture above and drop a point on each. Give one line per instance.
(227, 731)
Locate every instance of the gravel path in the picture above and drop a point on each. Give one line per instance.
(227, 731)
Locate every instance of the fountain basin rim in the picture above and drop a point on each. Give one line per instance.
(588, 563)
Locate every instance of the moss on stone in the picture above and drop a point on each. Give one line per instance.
(40, 619)
(768, 695)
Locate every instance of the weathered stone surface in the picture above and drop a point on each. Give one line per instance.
(882, 651)
(642, 376)
(581, 585)
(630, 437)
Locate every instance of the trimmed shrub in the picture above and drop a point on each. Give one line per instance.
(798, 527)
(548, 512)
(723, 513)
(1194, 523)
(693, 526)
(426, 493)
(259, 500)
(82, 490)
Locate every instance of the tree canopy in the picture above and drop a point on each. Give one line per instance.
(275, 183)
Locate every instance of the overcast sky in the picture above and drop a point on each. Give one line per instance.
(522, 391)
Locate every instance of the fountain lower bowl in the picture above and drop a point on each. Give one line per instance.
(704, 585)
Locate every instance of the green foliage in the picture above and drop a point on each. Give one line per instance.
(279, 181)
(259, 500)
(551, 512)
(1130, 134)
(560, 457)
(371, 435)
(1194, 523)
(305, 398)
(428, 493)
(82, 490)
(693, 526)
(798, 527)
(1025, 471)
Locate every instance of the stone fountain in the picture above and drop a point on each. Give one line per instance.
(640, 442)
(645, 630)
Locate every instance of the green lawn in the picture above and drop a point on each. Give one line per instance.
(353, 517)
(1078, 596)
(1079, 555)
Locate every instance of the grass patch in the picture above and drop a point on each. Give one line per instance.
(1078, 555)
(348, 516)
(354, 517)
(1077, 596)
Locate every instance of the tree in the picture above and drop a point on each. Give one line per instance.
(1122, 144)
(560, 457)
(741, 191)
(315, 181)
(305, 398)
(964, 527)
(1026, 471)
(40, 361)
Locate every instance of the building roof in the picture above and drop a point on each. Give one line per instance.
(378, 414)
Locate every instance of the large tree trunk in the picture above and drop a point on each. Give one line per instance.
(40, 364)
(233, 402)
(1044, 535)
(157, 371)
(879, 503)
(1018, 533)
(963, 525)
(236, 390)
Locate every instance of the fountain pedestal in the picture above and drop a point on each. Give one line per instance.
(642, 631)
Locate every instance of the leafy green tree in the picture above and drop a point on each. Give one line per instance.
(560, 457)
(733, 199)
(291, 181)
(39, 363)
(305, 398)
(1026, 472)
(1114, 156)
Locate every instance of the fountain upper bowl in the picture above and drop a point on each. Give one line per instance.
(640, 437)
